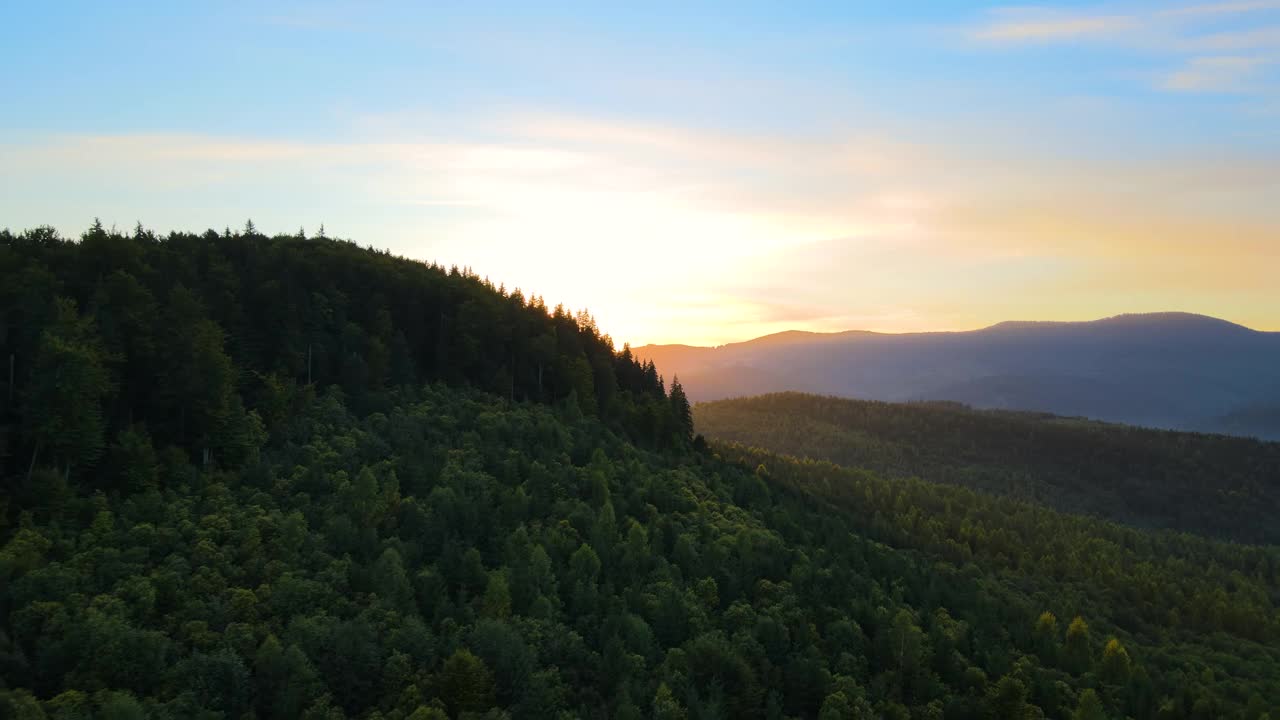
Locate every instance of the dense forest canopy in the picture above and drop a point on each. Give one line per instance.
(289, 477)
(187, 333)
(1215, 485)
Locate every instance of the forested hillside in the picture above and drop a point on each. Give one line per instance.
(465, 506)
(1215, 485)
(189, 333)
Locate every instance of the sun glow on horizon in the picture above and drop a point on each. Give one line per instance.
(943, 168)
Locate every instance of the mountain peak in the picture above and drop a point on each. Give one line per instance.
(1171, 321)
(788, 337)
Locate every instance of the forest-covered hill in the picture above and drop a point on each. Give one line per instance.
(189, 333)
(1215, 485)
(287, 477)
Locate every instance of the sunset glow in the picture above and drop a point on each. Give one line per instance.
(746, 173)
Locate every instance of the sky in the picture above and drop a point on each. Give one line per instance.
(688, 172)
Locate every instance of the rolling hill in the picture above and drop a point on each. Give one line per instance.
(1213, 485)
(1166, 370)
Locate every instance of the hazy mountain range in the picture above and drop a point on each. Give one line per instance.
(1172, 370)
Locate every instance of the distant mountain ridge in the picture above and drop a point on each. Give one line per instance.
(1171, 369)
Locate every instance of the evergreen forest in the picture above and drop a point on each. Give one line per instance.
(245, 476)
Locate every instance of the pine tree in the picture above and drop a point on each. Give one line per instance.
(497, 596)
(681, 411)
(390, 581)
(69, 381)
(1089, 707)
(1116, 665)
(665, 705)
(199, 375)
(1078, 651)
(465, 683)
(1046, 636)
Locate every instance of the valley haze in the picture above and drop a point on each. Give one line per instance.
(1166, 370)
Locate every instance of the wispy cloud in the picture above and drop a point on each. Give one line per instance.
(1221, 8)
(1214, 74)
(1263, 38)
(1037, 25)
(1211, 47)
(555, 201)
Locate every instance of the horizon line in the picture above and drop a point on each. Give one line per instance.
(852, 331)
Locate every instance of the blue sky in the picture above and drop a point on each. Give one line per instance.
(690, 172)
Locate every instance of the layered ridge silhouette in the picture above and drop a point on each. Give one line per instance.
(1168, 370)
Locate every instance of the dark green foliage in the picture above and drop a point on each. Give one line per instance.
(232, 590)
(545, 544)
(198, 331)
(681, 411)
(1089, 707)
(62, 415)
(465, 683)
(1213, 485)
